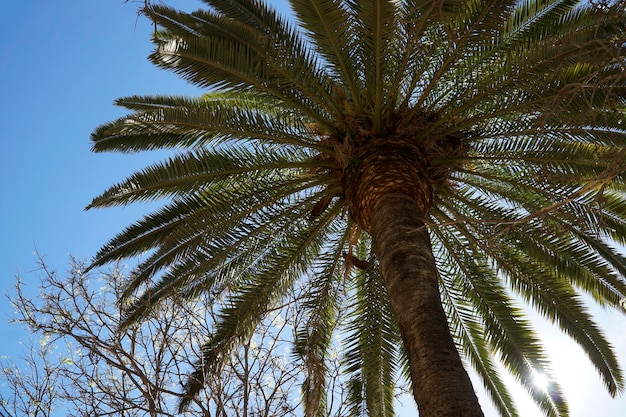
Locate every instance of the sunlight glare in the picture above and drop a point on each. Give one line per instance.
(541, 380)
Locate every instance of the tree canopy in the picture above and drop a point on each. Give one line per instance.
(424, 165)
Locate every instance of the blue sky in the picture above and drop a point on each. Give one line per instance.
(62, 63)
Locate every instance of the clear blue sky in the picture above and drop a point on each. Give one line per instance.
(62, 63)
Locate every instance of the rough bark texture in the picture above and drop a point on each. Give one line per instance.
(441, 385)
(386, 166)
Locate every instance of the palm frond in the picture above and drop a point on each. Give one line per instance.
(260, 52)
(558, 301)
(189, 173)
(177, 122)
(371, 353)
(468, 328)
(199, 259)
(329, 25)
(322, 305)
(372, 23)
(507, 331)
(281, 267)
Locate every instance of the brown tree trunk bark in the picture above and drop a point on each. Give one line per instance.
(441, 385)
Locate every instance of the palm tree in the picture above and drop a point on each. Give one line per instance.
(427, 166)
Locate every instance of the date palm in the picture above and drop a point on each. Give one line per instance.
(425, 166)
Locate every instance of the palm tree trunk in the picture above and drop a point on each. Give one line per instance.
(441, 385)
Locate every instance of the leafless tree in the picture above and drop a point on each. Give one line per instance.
(80, 364)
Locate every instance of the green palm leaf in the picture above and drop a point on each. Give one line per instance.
(322, 305)
(504, 326)
(264, 286)
(371, 356)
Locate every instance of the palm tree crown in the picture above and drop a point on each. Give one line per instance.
(395, 158)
